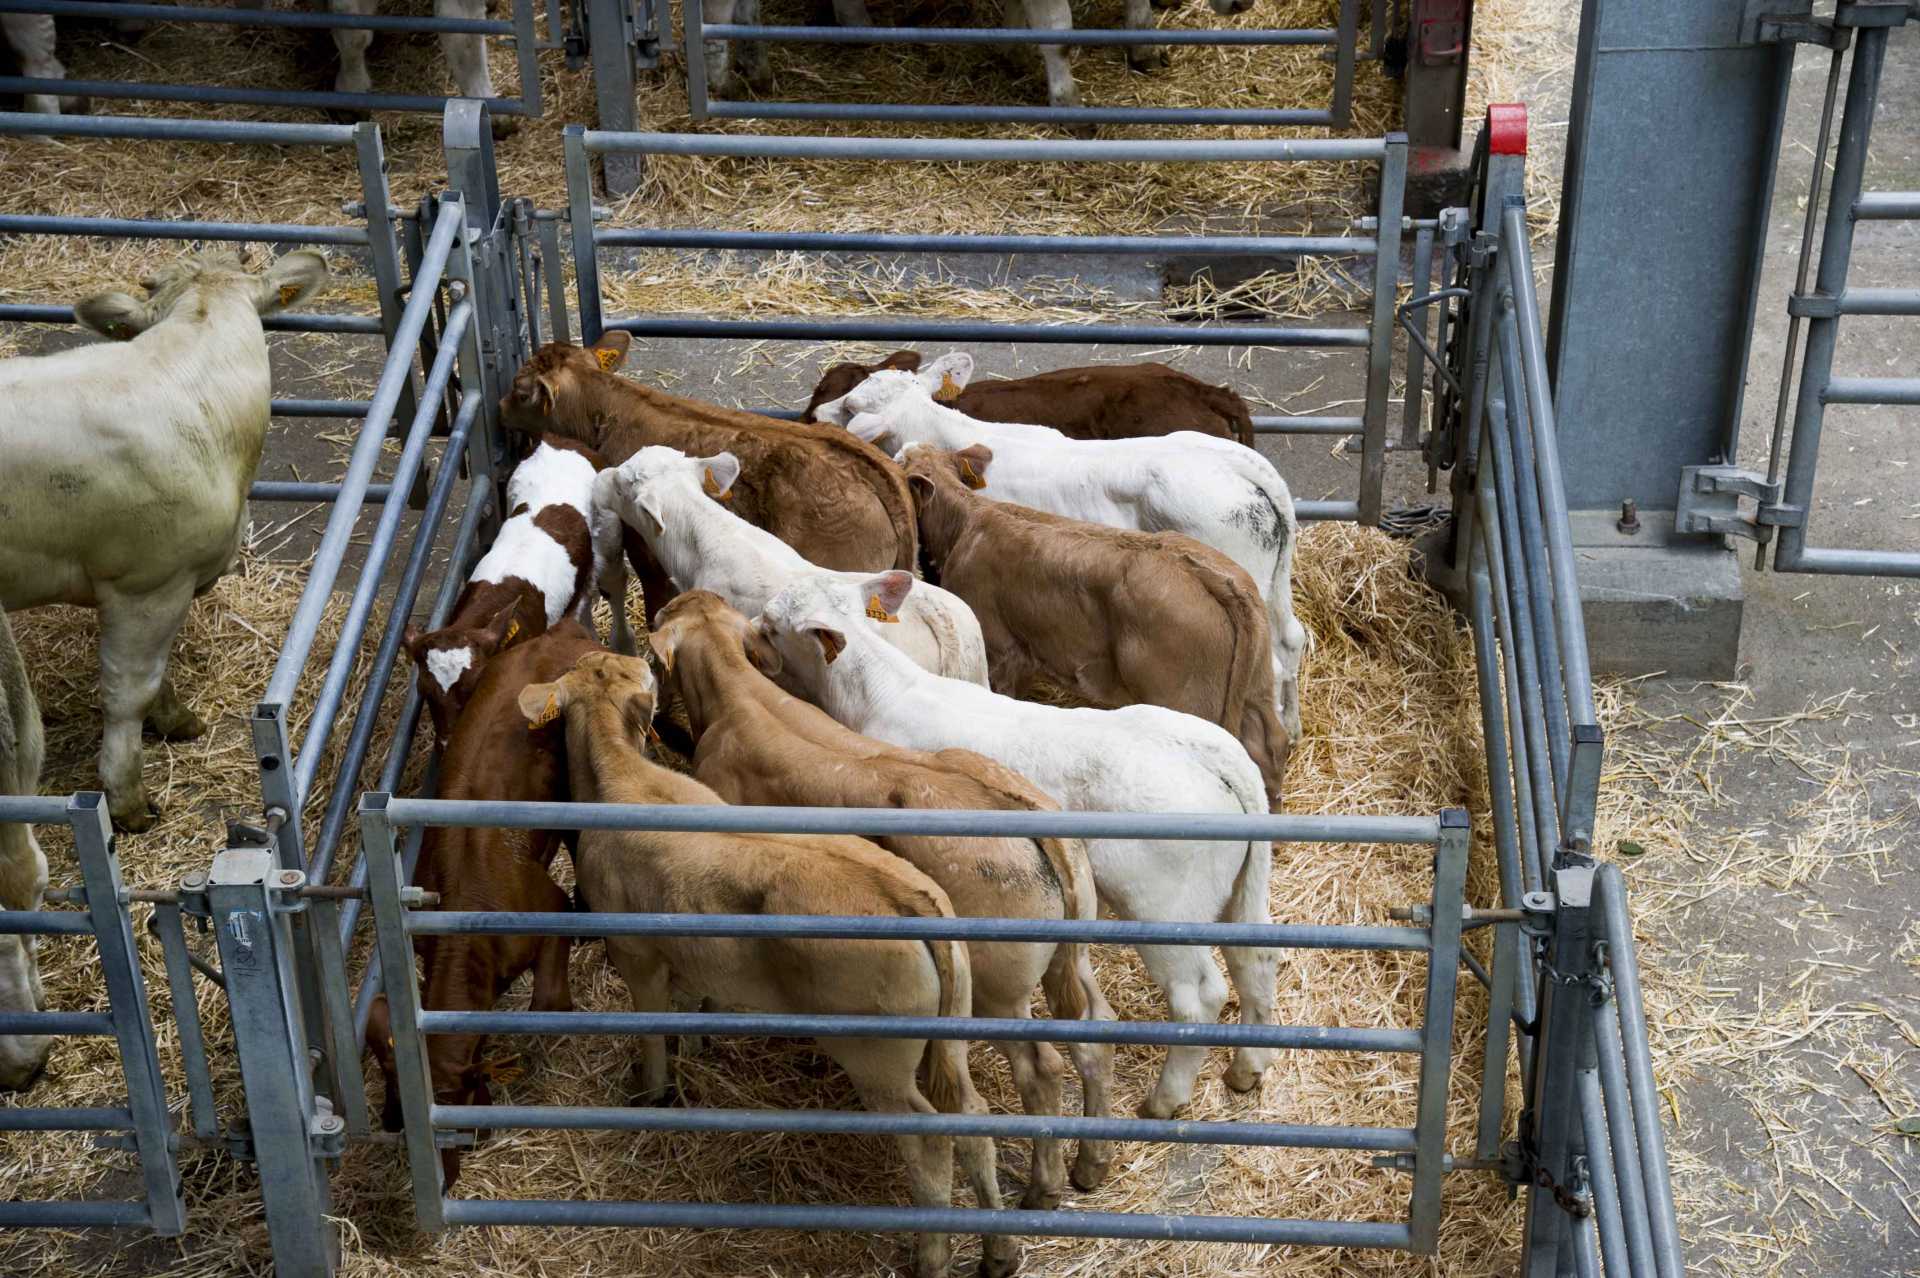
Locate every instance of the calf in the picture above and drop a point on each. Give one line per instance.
(839, 502)
(1140, 759)
(1115, 616)
(1107, 401)
(673, 502)
(1219, 493)
(32, 38)
(607, 703)
(126, 474)
(758, 745)
(549, 556)
(491, 755)
(465, 53)
(23, 867)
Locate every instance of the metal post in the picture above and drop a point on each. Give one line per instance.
(256, 954)
(1551, 1126)
(526, 51)
(610, 39)
(1412, 403)
(586, 261)
(186, 1013)
(279, 793)
(554, 266)
(382, 246)
(694, 20)
(1436, 1047)
(127, 997)
(1386, 279)
(1344, 53)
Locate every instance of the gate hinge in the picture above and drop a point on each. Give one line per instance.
(1710, 498)
(1784, 30)
(327, 1132)
(1872, 13)
(1813, 306)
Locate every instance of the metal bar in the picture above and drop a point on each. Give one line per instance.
(1346, 46)
(887, 242)
(134, 128)
(556, 276)
(1309, 511)
(1887, 206)
(40, 313)
(849, 1122)
(41, 1119)
(526, 53)
(726, 818)
(611, 45)
(880, 328)
(1617, 928)
(186, 1014)
(287, 490)
(1619, 1126)
(44, 923)
(1413, 403)
(959, 1220)
(132, 1026)
(957, 150)
(1436, 1030)
(1873, 390)
(1214, 37)
(1327, 1038)
(1293, 936)
(905, 113)
(1606, 1196)
(1880, 301)
(370, 157)
(254, 17)
(366, 455)
(225, 95)
(1854, 563)
(586, 257)
(1501, 991)
(1308, 425)
(1486, 551)
(1386, 280)
(346, 655)
(69, 1024)
(32, 809)
(693, 21)
(1581, 798)
(72, 1214)
(355, 408)
(1552, 1124)
(336, 1003)
(154, 229)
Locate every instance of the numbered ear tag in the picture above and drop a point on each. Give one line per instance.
(878, 612)
(949, 389)
(287, 293)
(513, 628)
(608, 359)
(711, 487)
(969, 476)
(546, 716)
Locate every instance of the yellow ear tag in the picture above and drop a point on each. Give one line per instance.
(969, 476)
(877, 611)
(513, 628)
(287, 293)
(547, 715)
(608, 360)
(949, 389)
(711, 487)
(653, 735)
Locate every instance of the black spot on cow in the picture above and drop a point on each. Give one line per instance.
(1263, 519)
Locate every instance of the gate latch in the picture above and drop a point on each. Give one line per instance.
(1710, 502)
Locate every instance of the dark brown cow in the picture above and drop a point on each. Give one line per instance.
(492, 755)
(838, 501)
(1108, 401)
(1112, 615)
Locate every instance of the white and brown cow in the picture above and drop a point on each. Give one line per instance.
(126, 469)
(552, 553)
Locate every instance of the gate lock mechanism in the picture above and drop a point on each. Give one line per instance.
(1710, 502)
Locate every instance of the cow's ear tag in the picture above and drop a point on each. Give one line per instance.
(546, 716)
(287, 293)
(711, 487)
(513, 628)
(608, 359)
(878, 611)
(949, 389)
(969, 476)
(653, 735)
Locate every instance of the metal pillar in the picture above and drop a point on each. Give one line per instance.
(611, 40)
(1439, 35)
(1551, 1134)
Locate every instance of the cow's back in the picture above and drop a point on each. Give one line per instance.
(1120, 402)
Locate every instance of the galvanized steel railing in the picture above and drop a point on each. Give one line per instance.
(1380, 250)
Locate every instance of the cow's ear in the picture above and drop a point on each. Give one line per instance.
(871, 427)
(972, 462)
(543, 702)
(947, 376)
(502, 630)
(116, 315)
(717, 475)
(290, 280)
(832, 642)
(760, 650)
(919, 487)
(665, 641)
(906, 361)
(414, 640)
(884, 594)
(610, 352)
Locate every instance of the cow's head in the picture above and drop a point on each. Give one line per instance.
(626, 684)
(644, 482)
(841, 378)
(873, 409)
(122, 316)
(454, 1071)
(700, 621)
(23, 885)
(929, 469)
(450, 661)
(810, 623)
(547, 393)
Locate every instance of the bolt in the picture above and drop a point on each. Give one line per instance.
(1629, 522)
(291, 878)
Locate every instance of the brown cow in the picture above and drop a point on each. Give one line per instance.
(759, 745)
(838, 501)
(1113, 615)
(1107, 401)
(491, 755)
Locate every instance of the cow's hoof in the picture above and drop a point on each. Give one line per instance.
(1085, 132)
(183, 726)
(760, 78)
(1154, 1107)
(1243, 1078)
(1089, 1174)
(1002, 1258)
(138, 818)
(1039, 1198)
(1147, 59)
(505, 126)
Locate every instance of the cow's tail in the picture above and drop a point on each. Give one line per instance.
(1248, 708)
(946, 1058)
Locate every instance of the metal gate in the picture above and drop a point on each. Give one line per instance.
(1782, 506)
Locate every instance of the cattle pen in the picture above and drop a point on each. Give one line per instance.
(294, 900)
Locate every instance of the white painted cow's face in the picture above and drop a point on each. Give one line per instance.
(887, 390)
(808, 624)
(216, 273)
(645, 481)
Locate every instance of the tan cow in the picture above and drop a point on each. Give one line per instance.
(1115, 616)
(608, 702)
(23, 866)
(760, 745)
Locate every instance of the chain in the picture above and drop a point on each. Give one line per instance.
(1569, 1202)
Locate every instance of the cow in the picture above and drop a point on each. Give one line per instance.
(606, 703)
(675, 502)
(1115, 616)
(32, 38)
(552, 553)
(1219, 493)
(758, 745)
(839, 502)
(23, 867)
(466, 53)
(1105, 401)
(127, 469)
(1138, 759)
(491, 755)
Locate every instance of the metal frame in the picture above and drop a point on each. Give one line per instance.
(1382, 246)
(1421, 1148)
(143, 1124)
(519, 30)
(1343, 40)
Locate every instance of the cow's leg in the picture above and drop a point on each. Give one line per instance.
(552, 992)
(1144, 57)
(466, 57)
(1037, 1071)
(1195, 992)
(721, 81)
(352, 45)
(32, 37)
(756, 65)
(1000, 1254)
(646, 976)
(171, 718)
(136, 632)
(1092, 1061)
(1254, 971)
(882, 1071)
(852, 13)
(1061, 90)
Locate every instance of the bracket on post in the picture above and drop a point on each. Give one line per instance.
(1710, 497)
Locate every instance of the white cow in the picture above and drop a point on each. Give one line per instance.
(23, 867)
(1137, 759)
(1218, 492)
(126, 474)
(466, 55)
(673, 502)
(31, 37)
